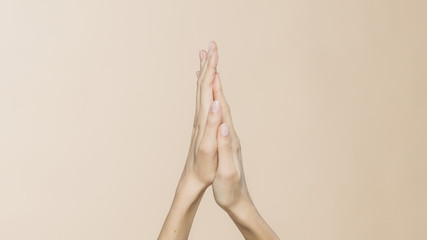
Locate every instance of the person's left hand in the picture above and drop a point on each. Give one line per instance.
(202, 161)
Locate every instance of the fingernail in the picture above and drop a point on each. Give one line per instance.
(224, 129)
(201, 55)
(215, 106)
(210, 44)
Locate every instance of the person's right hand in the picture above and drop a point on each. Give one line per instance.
(229, 186)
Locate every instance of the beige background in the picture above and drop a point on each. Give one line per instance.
(328, 98)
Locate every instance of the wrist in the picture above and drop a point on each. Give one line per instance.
(187, 198)
(242, 210)
(190, 187)
(250, 223)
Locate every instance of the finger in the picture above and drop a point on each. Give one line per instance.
(197, 93)
(213, 50)
(195, 130)
(196, 114)
(206, 94)
(208, 145)
(203, 58)
(225, 152)
(219, 95)
(205, 82)
(226, 118)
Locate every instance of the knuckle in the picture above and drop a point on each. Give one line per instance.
(199, 122)
(236, 147)
(211, 121)
(218, 91)
(211, 65)
(224, 145)
(237, 139)
(196, 118)
(210, 73)
(206, 83)
(204, 149)
(196, 126)
(229, 174)
(227, 109)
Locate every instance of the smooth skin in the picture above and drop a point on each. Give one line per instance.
(214, 158)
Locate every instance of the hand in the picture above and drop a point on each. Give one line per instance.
(229, 187)
(214, 157)
(202, 161)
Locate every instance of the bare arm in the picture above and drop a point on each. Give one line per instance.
(202, 161)
(214, 158)
(184, 206)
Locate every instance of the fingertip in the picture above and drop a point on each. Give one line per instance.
(203, 58)
(212, 44)
(201, 53)
(198, 74)
(213, 54)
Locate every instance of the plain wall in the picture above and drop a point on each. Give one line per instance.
(328, 98)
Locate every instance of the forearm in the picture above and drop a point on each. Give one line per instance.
(249, 221)
(184, 207)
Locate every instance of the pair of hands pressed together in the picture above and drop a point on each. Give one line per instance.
(214, 158)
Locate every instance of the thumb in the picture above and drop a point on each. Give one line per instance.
(225, 153)
(208, 144)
